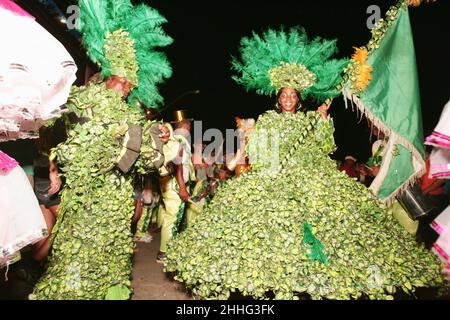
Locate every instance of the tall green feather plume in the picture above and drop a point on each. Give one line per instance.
(137, 57)
(115, 12)
(93, 25)
(144, 25)
(279, 58)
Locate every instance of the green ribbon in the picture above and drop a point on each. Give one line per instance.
(147, 219)
(317, 252)
(180, 215)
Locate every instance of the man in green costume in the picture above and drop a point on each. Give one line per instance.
(174, 183)
(92, 241)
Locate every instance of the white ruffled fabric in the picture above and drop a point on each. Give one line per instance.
(440, 137)
(440, 168)
(21, 220)
(36, 73)
(442, 246)
(440, 140)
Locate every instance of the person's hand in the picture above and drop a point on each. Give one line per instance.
(55, 183)
(364, 170)
(323, 110)
(203, 194)
(375, 170)
(212, 186)
(184, 195)
(164, 133)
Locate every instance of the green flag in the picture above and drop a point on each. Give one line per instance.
(392, 102)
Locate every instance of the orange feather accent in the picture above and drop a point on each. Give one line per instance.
(364, 72)
(416, 3)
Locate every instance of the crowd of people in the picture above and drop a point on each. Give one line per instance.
(254, 221)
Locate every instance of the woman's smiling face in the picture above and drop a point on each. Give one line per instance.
(288, 100)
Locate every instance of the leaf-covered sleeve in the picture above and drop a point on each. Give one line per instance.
(151, 156)
(323, 134)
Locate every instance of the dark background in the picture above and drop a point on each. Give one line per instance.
(207, 34)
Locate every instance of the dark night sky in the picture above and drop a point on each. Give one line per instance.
(207, 34)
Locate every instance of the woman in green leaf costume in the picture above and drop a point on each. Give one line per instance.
(295, 224)
(92, 244)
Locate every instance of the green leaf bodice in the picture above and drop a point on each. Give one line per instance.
(296, 138)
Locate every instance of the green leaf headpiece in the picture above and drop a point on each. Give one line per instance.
(279, 59)
(122, 39)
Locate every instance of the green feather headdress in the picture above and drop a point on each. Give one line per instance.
(288, 59)
(122, 39)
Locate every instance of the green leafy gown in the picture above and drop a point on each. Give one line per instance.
(93, 245)
(307, 228)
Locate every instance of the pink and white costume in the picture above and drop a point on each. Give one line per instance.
(21, 219)
(36, 73)
(440, 168)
